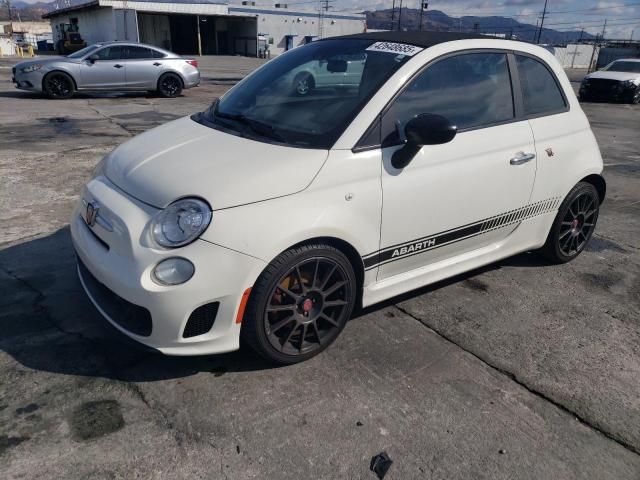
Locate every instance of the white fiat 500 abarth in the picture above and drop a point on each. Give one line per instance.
(272, 214)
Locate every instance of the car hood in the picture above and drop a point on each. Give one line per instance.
(620, 76)
(42, 61)
(184, 158)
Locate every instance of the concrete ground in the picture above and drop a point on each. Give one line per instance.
(519, 370)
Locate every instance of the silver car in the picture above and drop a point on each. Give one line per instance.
(109, 66)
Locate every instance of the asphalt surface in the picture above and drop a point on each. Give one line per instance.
(518, 370)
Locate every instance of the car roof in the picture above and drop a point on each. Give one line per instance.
(134, 44)
(419, 39)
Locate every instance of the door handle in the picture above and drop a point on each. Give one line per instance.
(521, 158)
(156, 64)
(117, 65)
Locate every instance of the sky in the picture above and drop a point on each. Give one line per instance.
(623, 16)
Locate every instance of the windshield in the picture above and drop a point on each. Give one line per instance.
(309, 95)
(86, 50)
(622, 66)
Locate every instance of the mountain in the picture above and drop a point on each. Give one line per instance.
(27, 12)
(440, 21)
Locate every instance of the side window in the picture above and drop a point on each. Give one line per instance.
(116, 53)
(471, 90)
(103, 53)
(157, 54)
(134, 53)
(540, 91)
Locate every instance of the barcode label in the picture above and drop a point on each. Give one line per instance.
(397, 48)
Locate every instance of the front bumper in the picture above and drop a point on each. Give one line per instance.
(31, 81)
(119, 255)
(607, 91)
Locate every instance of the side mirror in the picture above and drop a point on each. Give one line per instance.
(337, 66)
(421, 130)
(93, 58)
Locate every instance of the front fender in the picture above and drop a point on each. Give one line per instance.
(343, 202)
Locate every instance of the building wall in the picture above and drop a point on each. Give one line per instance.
(155, 30)
(574, 55)
(276, 24)
(609, 54)
(95, 25)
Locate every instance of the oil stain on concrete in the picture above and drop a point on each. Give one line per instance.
(96, 419)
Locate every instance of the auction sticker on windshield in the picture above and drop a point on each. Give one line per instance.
(397, 48)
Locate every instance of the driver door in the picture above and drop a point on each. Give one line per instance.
(106, 72)
(465, 194)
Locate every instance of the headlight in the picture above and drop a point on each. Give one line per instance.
(31, 68)
(181, 222)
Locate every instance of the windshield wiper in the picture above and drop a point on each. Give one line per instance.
(261, 128)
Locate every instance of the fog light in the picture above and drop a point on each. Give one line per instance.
(173, 271)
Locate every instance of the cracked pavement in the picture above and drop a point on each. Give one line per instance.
(517, 370)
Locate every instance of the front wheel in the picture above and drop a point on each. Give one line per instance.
(170, 85)
(300, 303)
(574, 224)
(58, 85)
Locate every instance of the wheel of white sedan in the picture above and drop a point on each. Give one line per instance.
(300, 303)
(574, 224)
(303, 84)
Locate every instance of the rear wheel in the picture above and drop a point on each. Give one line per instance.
(170, 85)
(58, 85)
(574, 224)
(303, 84)
(300, 304)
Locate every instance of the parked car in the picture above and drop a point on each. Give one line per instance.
(344, 71)
(263, 217)
(112, 66)
(619, 81)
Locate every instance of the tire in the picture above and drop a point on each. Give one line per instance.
(170, 85)
(303, 84)
(574, 224)
(300, 304)
(58, 85)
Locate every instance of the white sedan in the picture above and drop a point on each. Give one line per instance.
(271, 215)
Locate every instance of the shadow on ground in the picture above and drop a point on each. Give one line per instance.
(48, 324)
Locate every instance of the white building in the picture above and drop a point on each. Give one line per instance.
(204, 27)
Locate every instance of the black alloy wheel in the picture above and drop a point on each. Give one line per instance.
(574, 224)
(170, 85)
(300, 304)
(58, 85)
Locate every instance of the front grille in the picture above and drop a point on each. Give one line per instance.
(201, 320)
(131, 317)
(603, 86)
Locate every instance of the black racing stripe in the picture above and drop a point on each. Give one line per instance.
(415, 247)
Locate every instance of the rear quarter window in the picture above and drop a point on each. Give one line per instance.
(541, 93)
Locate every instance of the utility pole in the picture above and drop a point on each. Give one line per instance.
(393, 15)
(322, 10)
(581, 33)
(400, 17)
(423, 7)
(604, 29)
(544, 13)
